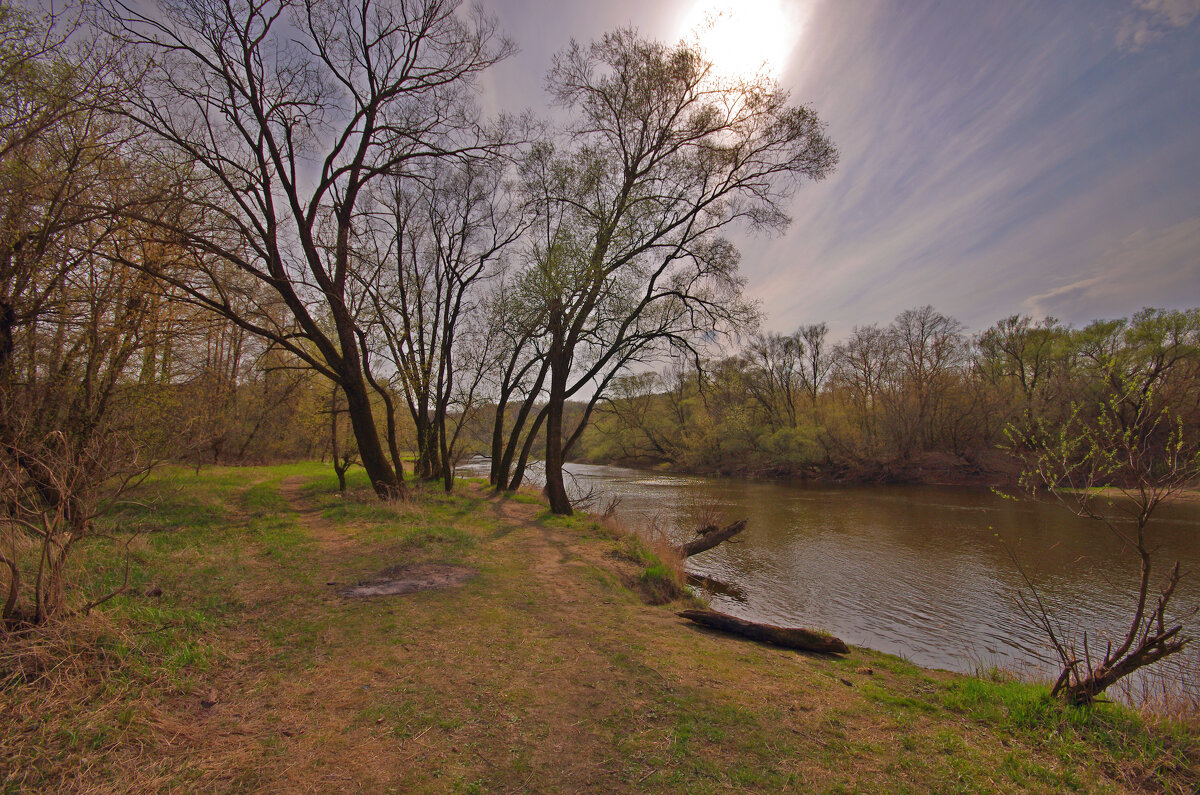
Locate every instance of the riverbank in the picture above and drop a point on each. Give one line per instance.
(237, 663)
(989, 468)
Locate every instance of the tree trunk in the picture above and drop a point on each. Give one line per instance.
(444, 453)
(427, 466)
(496, 478)
(710, 537)
(370, 450)
(518, 474)
(334, 447)
(389, 407)
(556, 490)
(353, 382)
(514, 438)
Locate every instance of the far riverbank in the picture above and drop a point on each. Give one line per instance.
(989, 468)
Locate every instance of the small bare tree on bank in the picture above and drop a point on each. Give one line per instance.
(1145, 454)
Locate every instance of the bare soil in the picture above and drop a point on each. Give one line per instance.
(401, 580)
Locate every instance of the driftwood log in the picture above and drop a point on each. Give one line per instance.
(711, 536)
(789, 637)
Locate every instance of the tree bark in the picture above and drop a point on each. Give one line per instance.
(788, 637)
(504, 480)
(362, 420)
(518, 470)
(710, 537)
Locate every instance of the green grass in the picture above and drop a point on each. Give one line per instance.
(546, 671)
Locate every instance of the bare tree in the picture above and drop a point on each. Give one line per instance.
(861, 372)
(72, 326)
(627, 257)
(1022, 352)
(436, 244)
(930, 350)
(284, 114)
(343, 456)
(775, 365)
(519, 372)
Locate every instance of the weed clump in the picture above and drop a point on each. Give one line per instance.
(662, 578)
(659, 584)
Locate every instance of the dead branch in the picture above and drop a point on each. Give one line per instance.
(711, 536)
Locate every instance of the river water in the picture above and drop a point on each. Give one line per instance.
(924, 572)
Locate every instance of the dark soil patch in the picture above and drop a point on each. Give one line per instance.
(401, 580)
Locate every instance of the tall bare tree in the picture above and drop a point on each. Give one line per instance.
(818, 361)
(436, 244)
(774, 364)
(284, 113)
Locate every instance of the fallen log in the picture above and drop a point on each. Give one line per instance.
(789, 637)
(710, 537)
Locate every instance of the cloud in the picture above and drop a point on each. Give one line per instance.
(1014, 163)
(1158, 265)
(1149, 20)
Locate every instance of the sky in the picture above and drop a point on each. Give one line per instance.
(997, 158)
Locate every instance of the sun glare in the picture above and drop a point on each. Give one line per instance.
(744, 37)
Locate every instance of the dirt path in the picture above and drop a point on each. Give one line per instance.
(327, 533)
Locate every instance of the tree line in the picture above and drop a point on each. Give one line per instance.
(914, 400)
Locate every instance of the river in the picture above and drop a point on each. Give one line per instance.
(924, 572)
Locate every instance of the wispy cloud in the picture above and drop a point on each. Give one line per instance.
(1150, 20)
(989, 166)
(996, 157)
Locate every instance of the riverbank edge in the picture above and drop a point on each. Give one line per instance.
(994, 470)
(757, 717)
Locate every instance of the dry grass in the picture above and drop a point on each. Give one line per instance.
(77, 647)
(65, 698)
(1172, 694)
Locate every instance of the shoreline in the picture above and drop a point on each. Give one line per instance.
(908, 475)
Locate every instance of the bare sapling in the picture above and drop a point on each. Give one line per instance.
(55, 486)
(1114, 465)
(344, 456)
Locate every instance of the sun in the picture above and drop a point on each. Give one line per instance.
(743, 38)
